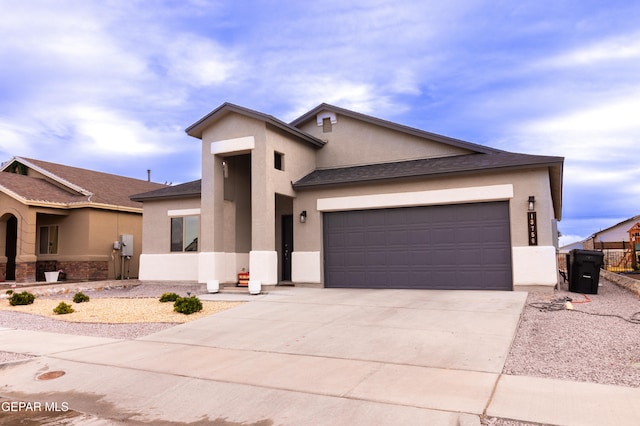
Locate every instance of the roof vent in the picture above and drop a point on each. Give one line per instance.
(326, 114)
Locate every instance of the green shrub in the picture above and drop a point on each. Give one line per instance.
(187, 305)
(9, 292)
(80, 297)
(24, 298)
(169, 297)
(62, 309)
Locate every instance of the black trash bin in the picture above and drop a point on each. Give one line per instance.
(584, 270)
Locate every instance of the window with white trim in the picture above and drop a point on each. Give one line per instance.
(184, 233)
(49, 239)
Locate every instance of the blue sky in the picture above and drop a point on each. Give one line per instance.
(111, 85)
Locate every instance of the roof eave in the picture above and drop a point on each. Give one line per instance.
(304, 186)
(197, 128)
(142, 199)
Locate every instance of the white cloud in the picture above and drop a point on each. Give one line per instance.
(14, 137)
(618, 48)
(608, 131)
(305, 94)
(106, 132)
(198, 61)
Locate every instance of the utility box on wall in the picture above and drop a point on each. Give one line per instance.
(126, 245)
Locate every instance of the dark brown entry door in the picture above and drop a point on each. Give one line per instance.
(10, 244)
(287, 246)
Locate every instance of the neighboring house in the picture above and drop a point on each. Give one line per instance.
(618, 242)
(55, 217)
(616, 235)
(341, 199)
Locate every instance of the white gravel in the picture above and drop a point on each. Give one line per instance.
(594, 345)
(23, 321)
(577, 346)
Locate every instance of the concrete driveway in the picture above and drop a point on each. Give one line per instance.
(292, 356)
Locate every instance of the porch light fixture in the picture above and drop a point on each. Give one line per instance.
(303, 216)
(225, 169)
(532, 201)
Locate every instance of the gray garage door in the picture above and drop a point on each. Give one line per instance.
(463, 246)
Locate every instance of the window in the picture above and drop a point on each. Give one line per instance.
(278, 160)
(184, 233)
(49, 239)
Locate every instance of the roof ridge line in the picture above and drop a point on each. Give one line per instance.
(53, 176)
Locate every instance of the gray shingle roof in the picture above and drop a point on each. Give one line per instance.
(423, 168)
(188, 189)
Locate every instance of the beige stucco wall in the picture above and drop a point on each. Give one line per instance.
(232, 126)
(266, 181)
(308, 236)
(87, 235)
(156, 229)
(83, 234)
(26, 242)
(353, 142)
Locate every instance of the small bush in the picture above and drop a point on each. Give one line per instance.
(187, 305)
(169, 297)
(80, 297)
(9, 292)
(24, 298)
(62, 309)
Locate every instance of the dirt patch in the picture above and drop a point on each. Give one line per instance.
(118, 310)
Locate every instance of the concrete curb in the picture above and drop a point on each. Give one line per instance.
(620, 280)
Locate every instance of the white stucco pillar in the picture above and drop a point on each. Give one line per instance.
(263, 266)
(534, 267)
(306, 267)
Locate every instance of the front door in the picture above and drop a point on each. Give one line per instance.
(287, 246)
(10, 244)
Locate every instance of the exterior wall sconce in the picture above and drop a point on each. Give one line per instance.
(225, 169)
(303, 216)
(532, 201)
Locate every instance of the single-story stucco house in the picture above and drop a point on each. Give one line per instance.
(57, 217)
(341, 199)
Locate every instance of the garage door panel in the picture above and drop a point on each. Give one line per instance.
(442, 247)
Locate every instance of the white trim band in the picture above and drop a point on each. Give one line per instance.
(419, 198)
(230, 146)
(183, 212)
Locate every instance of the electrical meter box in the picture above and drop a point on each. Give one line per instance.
(126, 245)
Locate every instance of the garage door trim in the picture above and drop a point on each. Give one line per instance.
(473, 194)
(460, 246)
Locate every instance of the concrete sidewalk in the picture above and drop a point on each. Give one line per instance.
(314, 356)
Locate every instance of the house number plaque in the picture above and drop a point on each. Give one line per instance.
(532, 224)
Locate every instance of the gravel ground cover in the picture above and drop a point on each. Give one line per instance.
(594, 342)
(598, 341)
(598, 346)
(113, 311)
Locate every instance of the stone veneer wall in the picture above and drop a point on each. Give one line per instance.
(630, 284)
(25, 272)
(85, 271)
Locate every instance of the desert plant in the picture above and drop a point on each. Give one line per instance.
(24, 298)
(80, 297)
(62, 309)
(187, 305)
(169, 297)
(9, 292)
